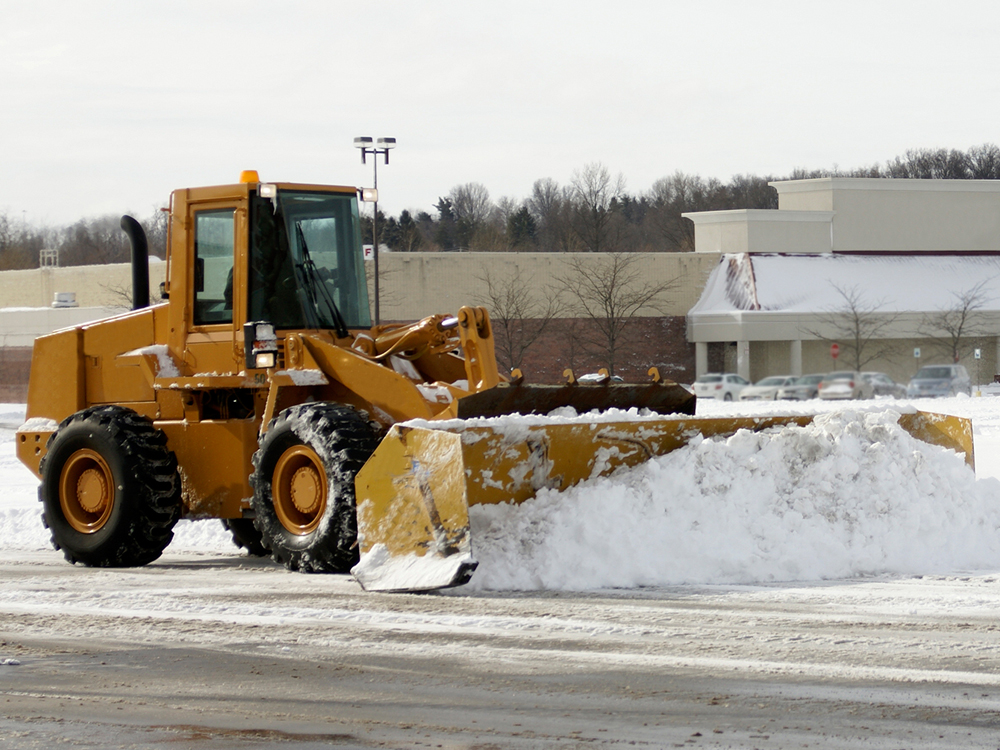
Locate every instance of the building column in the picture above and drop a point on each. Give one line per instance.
(796, 357)
(701, 358)
(743, 359)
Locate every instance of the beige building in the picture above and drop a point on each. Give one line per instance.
(761, 293)
(413, 285)
(905, 251)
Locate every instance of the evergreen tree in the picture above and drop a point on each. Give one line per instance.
(521, 228)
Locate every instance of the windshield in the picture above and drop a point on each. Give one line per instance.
(809, 380)
(934, 373)
(306, 267)
(709, 379)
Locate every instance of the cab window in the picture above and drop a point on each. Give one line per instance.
(213, 266)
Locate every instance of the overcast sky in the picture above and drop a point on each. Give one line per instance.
(108, 106)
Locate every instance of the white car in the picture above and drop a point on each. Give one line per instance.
(766, 389)
(723, 386)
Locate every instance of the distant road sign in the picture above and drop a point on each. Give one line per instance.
(834, 350)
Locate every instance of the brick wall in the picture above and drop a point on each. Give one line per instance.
(647, 342)
(15, 363)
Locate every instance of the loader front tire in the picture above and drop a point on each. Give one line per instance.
(303, 482)
(110, 489)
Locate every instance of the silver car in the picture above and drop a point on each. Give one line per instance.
(939, 380)
(802, 389)
(884, 385)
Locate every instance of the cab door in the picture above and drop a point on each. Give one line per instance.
(217, 232)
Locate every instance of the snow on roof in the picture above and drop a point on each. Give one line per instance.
(809, 283)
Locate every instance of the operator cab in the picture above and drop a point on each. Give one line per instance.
(306, 270)
(285, 254)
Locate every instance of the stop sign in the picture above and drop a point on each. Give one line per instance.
(834, 350)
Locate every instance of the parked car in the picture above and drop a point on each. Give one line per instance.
(723, 386)
(596, 377)
(845, 384)
(884, 385)
(939, 380)
(801, 389)
(766, 389)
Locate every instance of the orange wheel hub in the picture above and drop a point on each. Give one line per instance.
(86, 491)
(299, 490)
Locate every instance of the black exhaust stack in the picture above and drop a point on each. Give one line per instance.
(140, 262)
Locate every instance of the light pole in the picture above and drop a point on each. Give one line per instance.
(382, 146)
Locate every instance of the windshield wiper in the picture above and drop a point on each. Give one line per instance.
(312, 282)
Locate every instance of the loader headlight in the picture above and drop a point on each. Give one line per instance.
(260, 345)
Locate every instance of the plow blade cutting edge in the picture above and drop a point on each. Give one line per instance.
(415, 492)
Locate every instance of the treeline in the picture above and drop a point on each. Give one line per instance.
(595, 212)
(86, 242)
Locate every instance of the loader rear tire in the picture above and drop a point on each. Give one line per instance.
(110, 489)
(303, 482)
(246, 536)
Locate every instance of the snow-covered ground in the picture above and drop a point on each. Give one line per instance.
(837, 585)
(850, 495)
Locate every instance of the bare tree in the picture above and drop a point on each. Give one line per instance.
(595, 196)
(472, 209)
(119, 294)
(549, 206)
(504, 209)
(519, 316)
(94, 242)
(672, 196)
(859, 326)
(156, 231)
(609, 292)
(20, 243)
(984, 162)
(930, 164)
(953, 328)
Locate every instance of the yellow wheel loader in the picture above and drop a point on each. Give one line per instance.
(259, 393)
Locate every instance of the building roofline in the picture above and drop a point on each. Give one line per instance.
(739, 215)
(885, 183)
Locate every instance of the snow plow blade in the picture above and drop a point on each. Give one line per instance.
(660, 397)
(415, 492)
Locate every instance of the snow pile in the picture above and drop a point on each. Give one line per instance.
(20, 511)
(851, 494)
